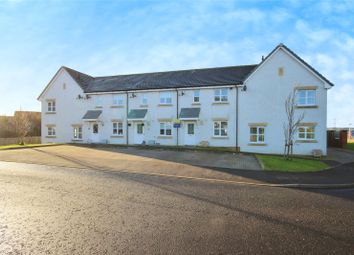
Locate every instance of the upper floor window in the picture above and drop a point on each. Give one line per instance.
(118, 100)
(220, 95)
(144, 99)
(306, 133)
(117, 128)
(98, 101)
(165, 98)
(306, 97)
(220, 128)
(165, 128)
(51, 106)
(77, 132)
(196, 97)
(257, 134)
(51, 131)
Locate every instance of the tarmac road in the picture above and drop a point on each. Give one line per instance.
(58, 210)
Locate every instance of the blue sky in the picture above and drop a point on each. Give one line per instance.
(117, 37)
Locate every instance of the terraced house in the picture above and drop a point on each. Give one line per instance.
(238, 106)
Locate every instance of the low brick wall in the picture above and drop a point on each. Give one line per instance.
(28, 140)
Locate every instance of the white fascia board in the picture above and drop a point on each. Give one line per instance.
(157, 90)
(50, 83)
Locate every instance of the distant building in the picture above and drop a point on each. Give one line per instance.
(6, 126)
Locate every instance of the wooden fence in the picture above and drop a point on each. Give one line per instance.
(28, 140)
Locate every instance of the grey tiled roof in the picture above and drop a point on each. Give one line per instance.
(137, 114)
(189, 113)
(232, 75)
(92, 115)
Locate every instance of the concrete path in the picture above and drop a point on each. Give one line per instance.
(340, 155)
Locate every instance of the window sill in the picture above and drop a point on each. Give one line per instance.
(306, 106)
(220, 137)
(306, 141)
(113, 106)
(165, 137)
(50, 112)
(76, 140)
(117, 136)
(98, 107)
(195, 103)
(257, 144)
(165, 105)
(219, 103)
(144, 105)
(50, 136)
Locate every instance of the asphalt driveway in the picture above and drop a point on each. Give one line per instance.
(161, 161)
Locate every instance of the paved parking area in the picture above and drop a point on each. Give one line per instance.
(162, 161)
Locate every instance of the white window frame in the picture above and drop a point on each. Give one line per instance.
(258, 134)
(77, 132)
(196, 96)
(221, 95)
(117, 128)
(164, 127)
(51, 106)
(117, 100)
(218, 131)
(306, 97)
(306, 133)
(165, 98)
(51, 131)
(144, 99)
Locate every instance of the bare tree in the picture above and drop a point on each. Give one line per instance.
(21, 125)
(291, 125)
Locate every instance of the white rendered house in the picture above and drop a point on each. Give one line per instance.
(241, 107)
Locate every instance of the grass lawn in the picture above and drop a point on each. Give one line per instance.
(278, 163)
(18, 146)
(350, 146)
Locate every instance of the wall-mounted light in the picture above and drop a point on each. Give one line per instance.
(182, 93)
(244, 88)
(132, 95)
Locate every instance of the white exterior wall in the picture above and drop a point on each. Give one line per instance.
(264, 102)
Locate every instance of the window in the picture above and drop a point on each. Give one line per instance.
(117, 128)
(51, 131)
(118, 100)
(306, 97)
(77, 132)
(220, 95)
(190, 128)
(98, 101)
(220, 128)
(95, 128)
(165, 128)
(257, 134)
(196, 96)
(51, 106)
(306, 133)
(165, 98)
(144, 100)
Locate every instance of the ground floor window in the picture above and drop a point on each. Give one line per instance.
(306, 133)
(257, 134)
(77, 132)
(220, 128)
(165, 128)
(51, 131)
(117, 128)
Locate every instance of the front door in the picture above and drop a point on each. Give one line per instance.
(95, 134)
(139, 133)
(189, 133)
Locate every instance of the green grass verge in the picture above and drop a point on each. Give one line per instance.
(18, 146)
(278, 163)
(350, 146)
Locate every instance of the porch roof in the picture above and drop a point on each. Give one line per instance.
(189, 113)
(137, 114)
(92, 115)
